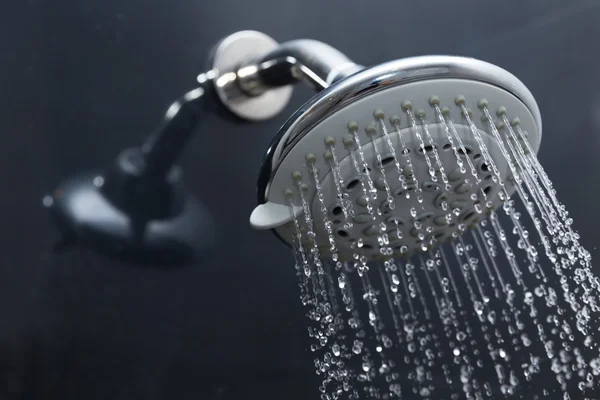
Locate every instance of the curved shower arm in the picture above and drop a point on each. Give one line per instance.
(310, 61)
(162, 148)
(253, 74)
(316, 63)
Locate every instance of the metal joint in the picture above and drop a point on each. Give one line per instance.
(253, 74)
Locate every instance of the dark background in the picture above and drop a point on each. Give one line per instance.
(82, 79)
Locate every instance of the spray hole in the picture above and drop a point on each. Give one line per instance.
(385, 208)
(386, 161)
(487, 189)
(352, 184)
(395, 220)
(477, 156)
(337, 222)
(447, 146)
(430, 186)
(337, 210)
(425, 217)
(367, 246)
(342, 233)
(440, 200)
(401, 191)
(426, 149)
(468, 215)
(366, 170)
(484, 167)
(467, 150)
(488, 177)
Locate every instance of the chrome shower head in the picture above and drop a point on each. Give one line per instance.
(381, 148)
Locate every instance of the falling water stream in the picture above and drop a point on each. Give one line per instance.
(499, 311)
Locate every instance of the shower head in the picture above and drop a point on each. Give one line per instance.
(381, 148)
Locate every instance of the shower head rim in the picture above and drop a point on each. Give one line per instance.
(381, 77)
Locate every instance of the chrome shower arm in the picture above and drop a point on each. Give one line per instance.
(305, 60)
(310, 61)
(253, 74)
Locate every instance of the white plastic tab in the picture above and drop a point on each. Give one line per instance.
(271, 215)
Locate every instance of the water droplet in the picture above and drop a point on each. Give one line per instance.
(336, 350)
(366, 366)
(478, 306)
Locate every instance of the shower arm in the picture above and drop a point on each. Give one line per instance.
(315, 63)
(312, 62)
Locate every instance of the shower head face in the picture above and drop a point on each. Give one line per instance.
(400, 157)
